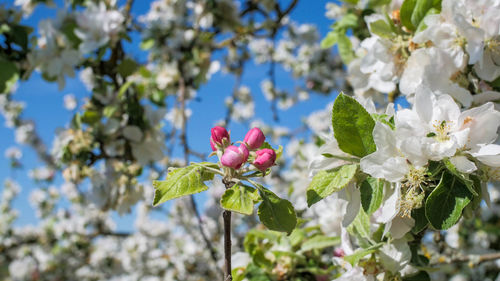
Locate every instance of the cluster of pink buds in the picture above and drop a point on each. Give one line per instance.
(235, 156)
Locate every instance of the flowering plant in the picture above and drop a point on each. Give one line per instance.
(397, 179)
(242, 192)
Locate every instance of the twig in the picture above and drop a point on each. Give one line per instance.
(226, 215)
(272, 74)
(41, 239)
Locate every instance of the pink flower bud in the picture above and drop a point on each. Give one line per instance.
(219, 137)
(338, 252)
(245, 151)
(265, 159)
(234, 156)
(254, 138)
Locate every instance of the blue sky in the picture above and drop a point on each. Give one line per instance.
(45, 104)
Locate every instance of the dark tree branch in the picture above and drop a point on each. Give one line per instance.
(226, 215)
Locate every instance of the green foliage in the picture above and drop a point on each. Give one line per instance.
(68, 29)
(319, 242)
(444, 205)
(344, 46)
(8, 75)
(127, 67)
(330, 40)
(362, 224)
(464, 178)
(355, 257)
(382, 29)
(421, 221)
(181, 182)
(147, 44)
(422, 26)
(239, 199)
(372, 193)
(352, 126)
(276, 213)
(90, 117)
(348, 21)
(412, 12)
(375, 3)
(325, 183)
(338, 36)
(298, 257)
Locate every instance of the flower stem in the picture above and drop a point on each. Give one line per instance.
(226, 215)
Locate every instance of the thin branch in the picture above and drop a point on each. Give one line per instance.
(289, 9)
(226, 215)
(43, 240)
(272, 74)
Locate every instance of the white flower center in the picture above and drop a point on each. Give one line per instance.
(412, 192)
(441, 130)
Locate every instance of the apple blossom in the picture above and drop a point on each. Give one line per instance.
(254, 138)
(219, 137)
(265, 159)
(234, 156)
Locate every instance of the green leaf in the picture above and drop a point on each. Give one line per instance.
(297, 236)
(325, 183)
(319, 242)
(412, 12)
(406, 12)
(19, 35)
(76, 122)
(354, 2)
(495, 83)
(354, 258)
(127, 67)
(362, 224)
(352, 126)
(478, 188)
(279, 152)
(347, 21)
(90, 117)
(329, 40)
(68, 29)
(422, 26)
(421, 221)
(238, 199)
(375, 3)
(444, 205)
(345, 48)
(265, 145)
(383, 118)
(464, 178)
(276, 213)
(147, 44)
(419, 276)
(124, 88)
(372, 193)
(181, 182)
(434, 169)
(420, 10)
(110, 110)
(382, 29)
(417, 259)
(8, 75)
